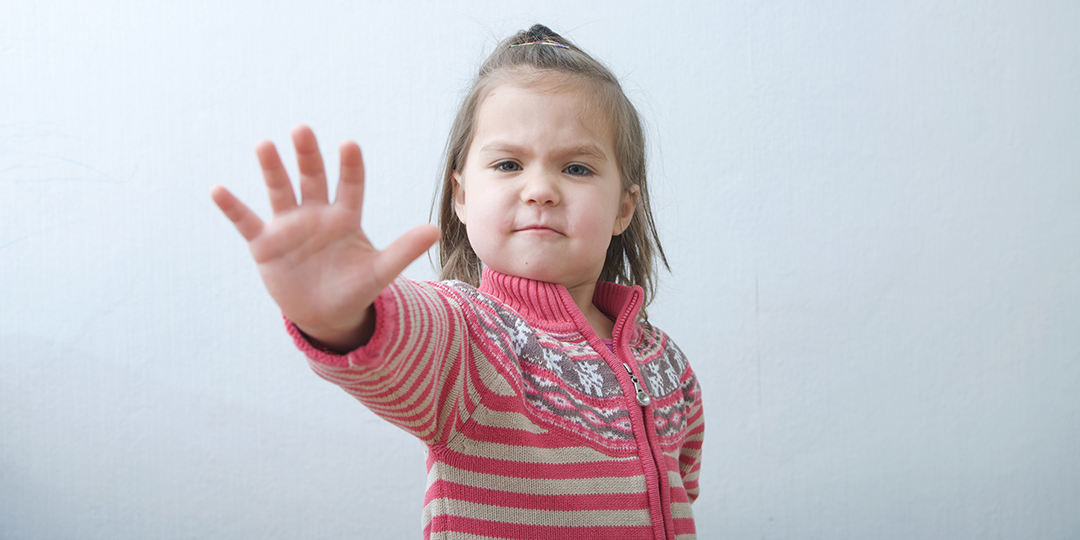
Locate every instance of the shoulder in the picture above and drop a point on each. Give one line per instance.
(485, 318)
(652, 342)
(662, 362)
(405, 294)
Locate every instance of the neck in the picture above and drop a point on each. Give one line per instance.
(583, 297)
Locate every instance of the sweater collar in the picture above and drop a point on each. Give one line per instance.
(550, 306)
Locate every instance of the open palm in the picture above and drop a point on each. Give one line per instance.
(314, 258)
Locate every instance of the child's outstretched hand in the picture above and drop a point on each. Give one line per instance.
(314, 258)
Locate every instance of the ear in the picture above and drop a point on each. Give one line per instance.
(627, 206)
(459, 196)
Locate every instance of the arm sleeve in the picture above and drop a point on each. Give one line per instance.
(690, 452)
(413, 370)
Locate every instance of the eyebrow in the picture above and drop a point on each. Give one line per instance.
(586, 149)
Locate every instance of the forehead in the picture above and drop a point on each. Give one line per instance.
(522, 102)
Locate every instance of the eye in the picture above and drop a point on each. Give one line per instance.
(577, 170)
(507, 166)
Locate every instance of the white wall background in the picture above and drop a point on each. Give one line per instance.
(872, 211)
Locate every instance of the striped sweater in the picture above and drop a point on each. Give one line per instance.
(534, 428)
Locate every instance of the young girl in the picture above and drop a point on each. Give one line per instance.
(550, 407)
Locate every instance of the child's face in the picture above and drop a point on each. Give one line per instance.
(540, 193)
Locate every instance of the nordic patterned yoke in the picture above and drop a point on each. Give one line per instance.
(533, 426)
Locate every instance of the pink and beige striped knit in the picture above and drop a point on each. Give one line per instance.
(534, 428)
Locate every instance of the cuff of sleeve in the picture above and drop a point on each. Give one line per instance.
(367, 355)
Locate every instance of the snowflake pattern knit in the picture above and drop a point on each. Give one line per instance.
(533, 425)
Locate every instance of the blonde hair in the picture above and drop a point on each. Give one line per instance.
(531, 54)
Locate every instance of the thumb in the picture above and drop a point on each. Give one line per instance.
(406, 249)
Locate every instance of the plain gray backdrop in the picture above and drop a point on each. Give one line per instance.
(871, 210)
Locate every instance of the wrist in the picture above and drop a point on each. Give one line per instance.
(341, 340)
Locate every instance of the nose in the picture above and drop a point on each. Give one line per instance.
(540, 188)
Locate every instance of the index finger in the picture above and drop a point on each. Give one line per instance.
(350, 189)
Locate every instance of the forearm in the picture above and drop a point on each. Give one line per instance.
(407, 371)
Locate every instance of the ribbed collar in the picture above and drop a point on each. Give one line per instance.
(549, 306)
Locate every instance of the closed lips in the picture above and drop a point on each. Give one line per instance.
(537, 228)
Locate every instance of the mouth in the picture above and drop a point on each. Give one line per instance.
(537, 229)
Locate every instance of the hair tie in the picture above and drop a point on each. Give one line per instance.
(545, 42)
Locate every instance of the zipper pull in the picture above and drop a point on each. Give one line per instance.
(642, 396)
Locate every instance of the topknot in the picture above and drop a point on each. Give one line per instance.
(539, 32)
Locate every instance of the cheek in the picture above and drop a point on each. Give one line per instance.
(489, 207)
(481, 225)
(601, 219)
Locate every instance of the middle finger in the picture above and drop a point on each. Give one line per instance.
(312, 172)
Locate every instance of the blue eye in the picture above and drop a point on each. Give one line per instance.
(577, 170)
(508, 166)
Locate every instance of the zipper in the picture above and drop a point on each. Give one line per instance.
(642, 396)
(644, 400)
